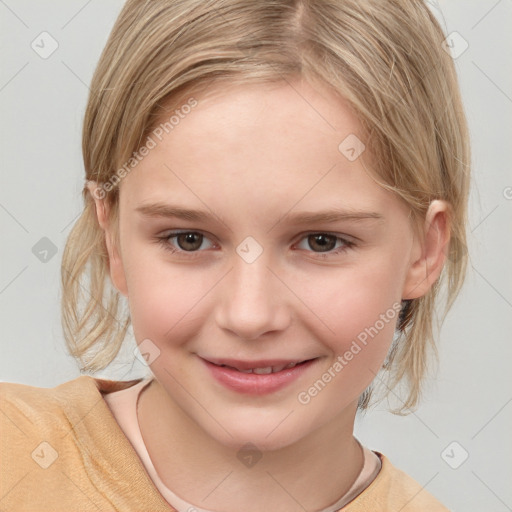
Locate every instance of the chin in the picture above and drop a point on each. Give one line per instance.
(264, 436)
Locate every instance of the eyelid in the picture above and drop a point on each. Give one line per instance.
(168, 235)
(300, 236)
(347, 243)
(342, 236)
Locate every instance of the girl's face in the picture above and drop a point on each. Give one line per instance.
(259, 281)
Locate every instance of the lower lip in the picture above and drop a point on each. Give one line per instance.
(257, 384)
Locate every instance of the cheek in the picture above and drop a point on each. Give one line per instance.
(364, 325)
(164, 299)
(364, 332)
(360, 307)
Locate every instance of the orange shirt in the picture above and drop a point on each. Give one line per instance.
(62, 450)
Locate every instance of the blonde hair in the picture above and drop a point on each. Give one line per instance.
(385, 58)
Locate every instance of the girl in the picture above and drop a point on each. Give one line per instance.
(279, 190)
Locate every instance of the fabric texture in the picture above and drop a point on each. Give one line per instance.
(63, 450)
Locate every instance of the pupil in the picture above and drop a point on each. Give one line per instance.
(188, 238)
(321, 241)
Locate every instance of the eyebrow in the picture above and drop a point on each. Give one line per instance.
(327, 216)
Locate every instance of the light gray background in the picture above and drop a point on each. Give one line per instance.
(42, 103)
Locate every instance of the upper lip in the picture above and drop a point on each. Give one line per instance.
(261, 363)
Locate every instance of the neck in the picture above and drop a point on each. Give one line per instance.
(310, 474)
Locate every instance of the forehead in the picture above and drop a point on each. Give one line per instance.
(280, 143)
(296, 101)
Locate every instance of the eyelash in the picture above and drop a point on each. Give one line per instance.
(164, 241)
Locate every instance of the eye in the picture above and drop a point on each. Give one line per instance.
(326, 242)
(189, 243)
(186, 241)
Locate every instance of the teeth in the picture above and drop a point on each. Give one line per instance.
(261, 371)
(266, 370)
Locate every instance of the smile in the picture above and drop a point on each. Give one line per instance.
(264, 370)
(257, 377)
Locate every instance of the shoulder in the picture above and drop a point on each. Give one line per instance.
(61, 449)
(38, 439)
(28, 408)
(394, 490)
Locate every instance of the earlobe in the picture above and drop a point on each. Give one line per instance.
(116, 268)
(430, 252)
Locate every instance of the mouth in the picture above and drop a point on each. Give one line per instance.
(265, 367)
(260, 377)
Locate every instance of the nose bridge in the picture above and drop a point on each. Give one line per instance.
(253, 301)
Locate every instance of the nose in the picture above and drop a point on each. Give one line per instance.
(253, 301)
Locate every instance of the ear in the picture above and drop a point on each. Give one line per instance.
(429, 254)
(117, 274)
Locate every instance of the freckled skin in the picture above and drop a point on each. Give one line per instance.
(250, 155)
